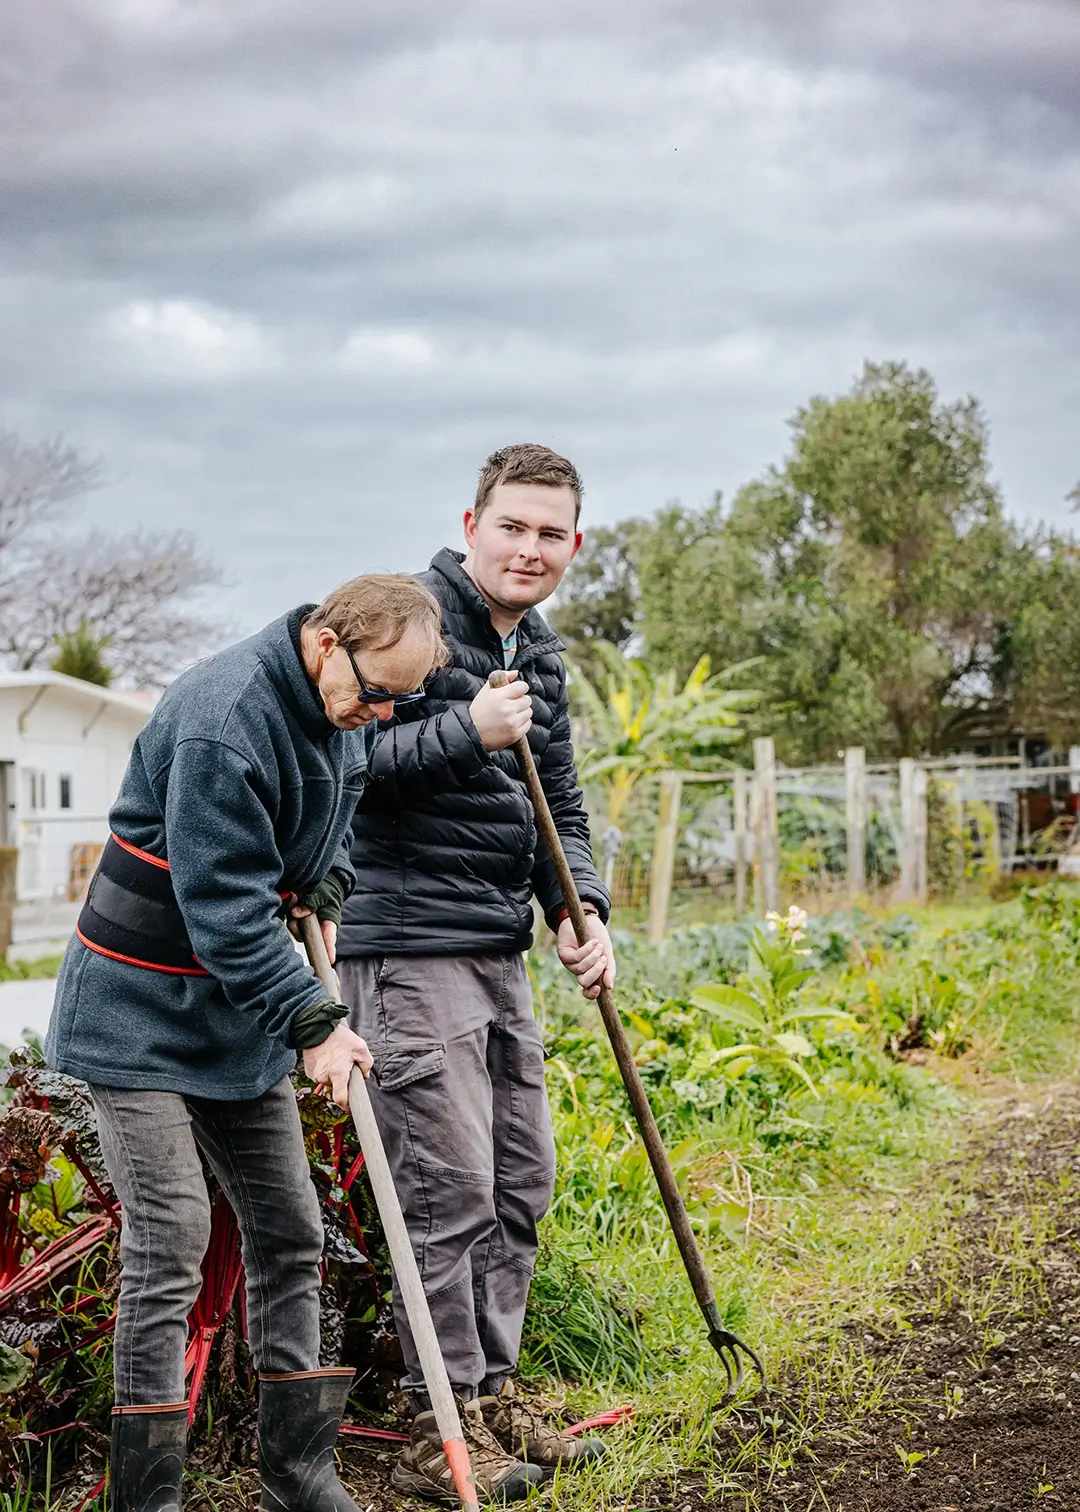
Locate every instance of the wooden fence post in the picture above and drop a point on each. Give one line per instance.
(9, 867)
(663, 856)
(755, 845)
(739, 810)
(905, 891)
(766, 829)
(922, 836)
(855, 807)
(610, 846)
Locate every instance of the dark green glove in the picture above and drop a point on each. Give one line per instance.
(326, 898)
(309, 1026)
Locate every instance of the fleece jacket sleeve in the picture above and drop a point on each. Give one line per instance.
(226, 874)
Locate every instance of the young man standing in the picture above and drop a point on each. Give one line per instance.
(447, 863)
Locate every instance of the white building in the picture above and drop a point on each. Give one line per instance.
(64, 745)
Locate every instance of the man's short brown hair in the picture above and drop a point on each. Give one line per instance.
(374, 611)
(528, 463)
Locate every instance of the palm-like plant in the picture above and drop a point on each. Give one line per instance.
(643, 721)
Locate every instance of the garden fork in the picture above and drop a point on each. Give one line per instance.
(728, 1345)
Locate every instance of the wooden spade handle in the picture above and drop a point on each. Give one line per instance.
(406, 1272)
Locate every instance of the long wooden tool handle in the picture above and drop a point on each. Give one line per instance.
(406, 1272)
(639, 1102)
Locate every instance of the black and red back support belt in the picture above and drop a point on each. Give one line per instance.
(131, 913)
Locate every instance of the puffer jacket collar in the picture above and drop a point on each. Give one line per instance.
(535, 636)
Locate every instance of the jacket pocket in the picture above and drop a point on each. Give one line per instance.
(405, 1064)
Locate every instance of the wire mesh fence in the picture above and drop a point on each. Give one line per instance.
(701, 845)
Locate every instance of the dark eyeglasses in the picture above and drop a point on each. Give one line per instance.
(379, 695)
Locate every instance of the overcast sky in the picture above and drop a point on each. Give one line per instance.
(296, 266)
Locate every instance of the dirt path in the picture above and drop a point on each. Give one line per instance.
(984, 1408)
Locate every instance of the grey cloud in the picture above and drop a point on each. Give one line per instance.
(643, 233)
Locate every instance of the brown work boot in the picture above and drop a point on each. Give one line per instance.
(521, 1429)
(423, 1469)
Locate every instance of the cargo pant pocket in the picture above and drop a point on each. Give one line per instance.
(402, 1065)
(461, 1213)
(443, 1174)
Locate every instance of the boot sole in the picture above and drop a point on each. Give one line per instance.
(411, 1483)
(514, 1488)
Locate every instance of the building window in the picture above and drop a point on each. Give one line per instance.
(65, 792)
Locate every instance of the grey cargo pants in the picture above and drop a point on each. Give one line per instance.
(458, 1092)
(151, 1142)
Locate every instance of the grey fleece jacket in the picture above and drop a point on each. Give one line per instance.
(244, 786)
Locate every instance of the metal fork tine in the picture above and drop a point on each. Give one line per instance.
(728, 1344)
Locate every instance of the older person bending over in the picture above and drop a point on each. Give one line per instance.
(184, 1004)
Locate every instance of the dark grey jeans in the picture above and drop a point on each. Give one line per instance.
(458, 1091)
(151, 1143)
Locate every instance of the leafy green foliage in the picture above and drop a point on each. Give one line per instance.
(783, 1183)
(639, 722)
(875, 573)
(1003, 993)
(1036, 670)
(792, 1064)
(26, 971)
(81, 654)
(945, 840)
(766, 1005)
(14, 1370)
(580, 1325)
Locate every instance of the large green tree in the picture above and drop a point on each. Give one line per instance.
(601, 595)
(1037, 657)
(874, 571)
(871, 569)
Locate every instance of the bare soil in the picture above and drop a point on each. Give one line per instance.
(984, 1412)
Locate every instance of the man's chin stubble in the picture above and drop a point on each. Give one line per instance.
(535, 596)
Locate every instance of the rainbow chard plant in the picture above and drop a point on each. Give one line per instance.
(58, 1289)
(765, 1004)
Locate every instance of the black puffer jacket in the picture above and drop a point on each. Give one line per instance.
(445, 843)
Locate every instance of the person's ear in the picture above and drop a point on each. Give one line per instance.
(326, 640)
(469, 523)
(578, 538)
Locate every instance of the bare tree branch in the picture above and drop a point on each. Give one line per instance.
(125, 592)
(37, 481)
(132, 593)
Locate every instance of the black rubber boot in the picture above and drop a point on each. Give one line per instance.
(299, 1417)
(147, 1458)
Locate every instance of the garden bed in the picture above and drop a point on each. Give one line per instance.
(885, 1197)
